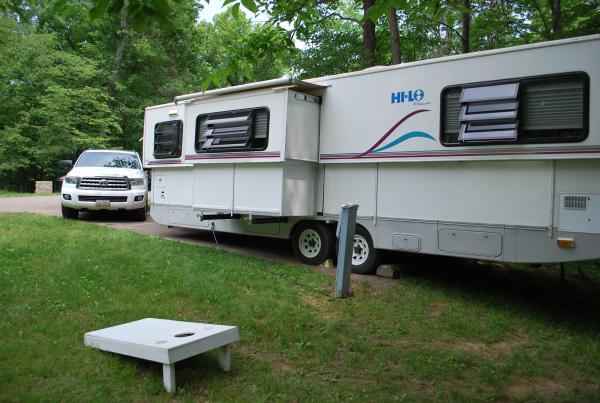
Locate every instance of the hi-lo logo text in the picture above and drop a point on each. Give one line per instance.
(407, 96)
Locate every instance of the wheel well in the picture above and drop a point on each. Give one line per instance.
(297, 223)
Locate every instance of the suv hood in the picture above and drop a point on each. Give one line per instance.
(104, 171)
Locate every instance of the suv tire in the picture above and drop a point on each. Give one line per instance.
(70, 213)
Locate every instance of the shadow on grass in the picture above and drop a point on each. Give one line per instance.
(195, 372)
(525, 290)
(108, 216)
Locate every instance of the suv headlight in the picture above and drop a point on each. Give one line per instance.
(71, 180)
(136, 181)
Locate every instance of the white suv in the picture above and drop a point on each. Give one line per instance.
(105, 180)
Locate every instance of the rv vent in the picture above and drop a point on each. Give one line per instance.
(575, 202)
(167, 139)
(245, 129)
(489, 113)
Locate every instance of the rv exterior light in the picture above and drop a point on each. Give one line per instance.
(72, 180)
(173, 112)
(565, 242)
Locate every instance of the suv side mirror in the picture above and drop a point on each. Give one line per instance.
(65, 164)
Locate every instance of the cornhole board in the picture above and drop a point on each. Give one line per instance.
(165, 341)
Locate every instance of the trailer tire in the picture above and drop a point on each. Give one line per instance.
(313, 242)
(70, 213)
(364, 255)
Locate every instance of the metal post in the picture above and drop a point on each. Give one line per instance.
(345, 233)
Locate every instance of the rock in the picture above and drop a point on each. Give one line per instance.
(389, 271)
(43, 186)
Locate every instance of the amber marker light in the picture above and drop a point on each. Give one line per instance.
(565, 242)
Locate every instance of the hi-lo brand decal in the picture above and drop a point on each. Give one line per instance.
(412, 96)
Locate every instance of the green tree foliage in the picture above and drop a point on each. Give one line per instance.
(240, 52)
(53, 105)
(69, 82)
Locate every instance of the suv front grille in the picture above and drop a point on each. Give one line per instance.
(114, 199)
(106, 183)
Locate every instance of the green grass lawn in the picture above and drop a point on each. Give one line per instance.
(447, 330)
(8, 193)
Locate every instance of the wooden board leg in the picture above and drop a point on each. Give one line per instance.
(169, 377)
(225, 357)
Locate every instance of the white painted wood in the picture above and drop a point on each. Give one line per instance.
(169, 377)
(225, 358)
(163, 341)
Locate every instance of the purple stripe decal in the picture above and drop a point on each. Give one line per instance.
(385, 136)
(230, 156)
(465, 153)
(165, 162)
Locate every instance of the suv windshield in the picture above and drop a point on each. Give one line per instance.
(110, 160)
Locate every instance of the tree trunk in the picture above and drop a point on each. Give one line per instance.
(395, 37)
(369, 40)
(556, 17)
(121, 42)
(21, 181)
(466, 27)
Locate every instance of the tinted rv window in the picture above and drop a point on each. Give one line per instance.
(167, 139)
(530, 110)
(243, 129)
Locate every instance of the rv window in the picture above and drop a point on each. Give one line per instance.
(532, 110)
(167, 139)
(244, 129)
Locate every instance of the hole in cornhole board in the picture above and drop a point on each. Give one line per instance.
(186, 334)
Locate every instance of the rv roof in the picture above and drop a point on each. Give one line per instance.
(290, 83)
(313, 83)
(376, 69)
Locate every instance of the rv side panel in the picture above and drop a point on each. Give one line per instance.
(354, 183)
(491, 192)
(257, 188)
(213, 187)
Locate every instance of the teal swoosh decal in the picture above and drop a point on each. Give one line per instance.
(405, 137)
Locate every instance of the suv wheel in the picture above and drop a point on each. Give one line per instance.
(69, 213)
(140, 214)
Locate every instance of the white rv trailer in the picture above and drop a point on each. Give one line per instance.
(491, 155)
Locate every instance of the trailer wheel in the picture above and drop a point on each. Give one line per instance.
(312, 242)
(69, 213)
(364, 254)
